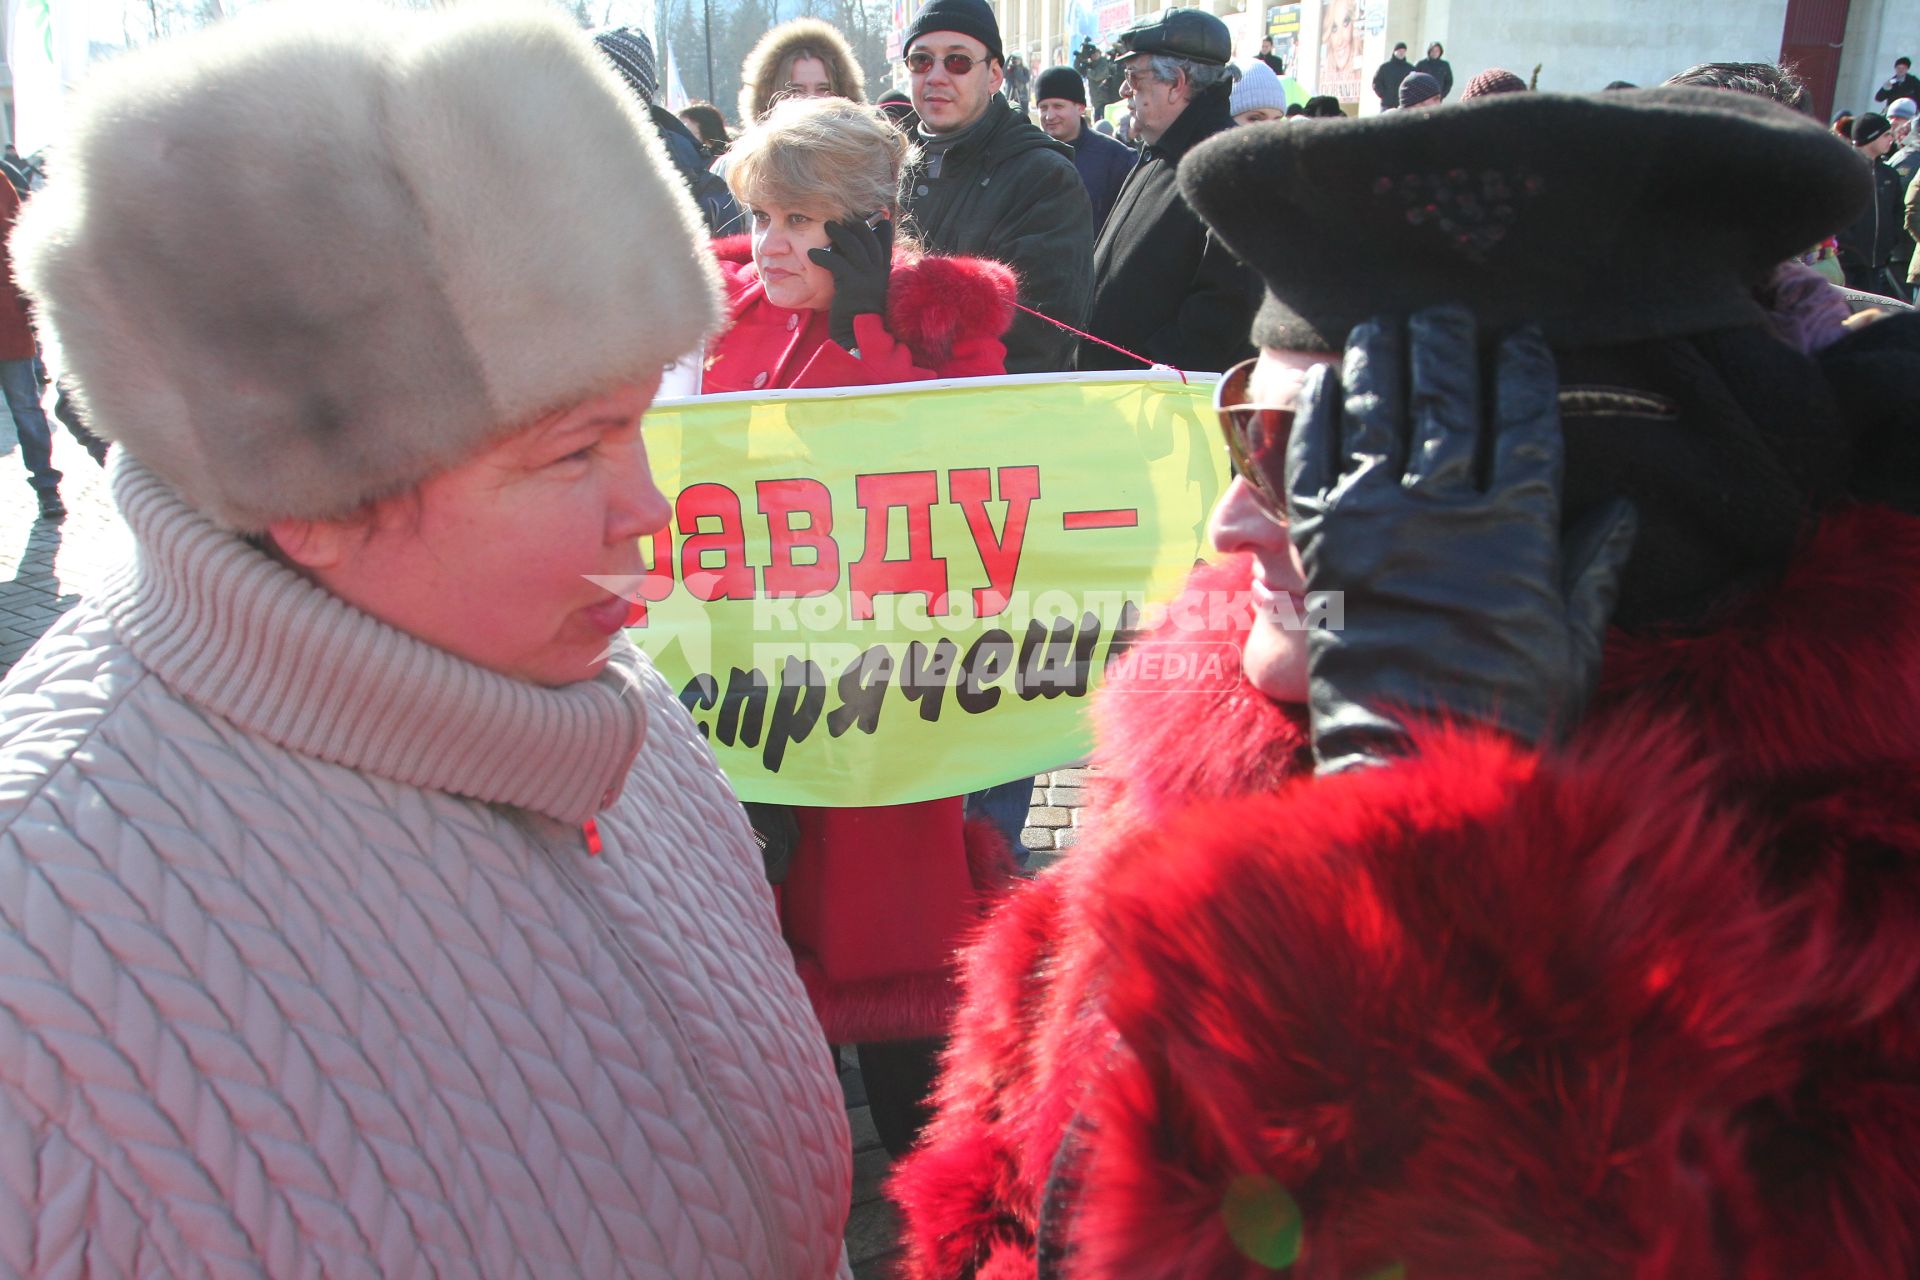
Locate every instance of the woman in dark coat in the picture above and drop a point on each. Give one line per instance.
(1394, 958)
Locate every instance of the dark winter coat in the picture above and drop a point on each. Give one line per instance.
(1907, 86)
(1164, 286)
(1439, 70)
(1019, 79)
(1011, 193)
(1875, 241)
(1645, 1005)
(710, 191)
(1386, 81)
(1103, 164)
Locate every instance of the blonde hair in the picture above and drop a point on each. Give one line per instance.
(821, 154)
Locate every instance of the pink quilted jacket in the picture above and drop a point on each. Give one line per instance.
(306, 968)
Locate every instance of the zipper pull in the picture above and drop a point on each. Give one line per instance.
(591, 830)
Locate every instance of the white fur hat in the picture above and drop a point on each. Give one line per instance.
(308, 258)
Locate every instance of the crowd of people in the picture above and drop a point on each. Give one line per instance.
(370, 905)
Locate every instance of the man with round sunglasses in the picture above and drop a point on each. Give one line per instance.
(1552, 913)
(989, 184)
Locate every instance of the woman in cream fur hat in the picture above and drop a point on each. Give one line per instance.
(370, 906)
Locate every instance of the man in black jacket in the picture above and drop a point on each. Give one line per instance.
(1387, 77)
(1870, 247)
(631, 52)
(1061, 96)
(988, 184)
(1902, 84)
(1163, 286)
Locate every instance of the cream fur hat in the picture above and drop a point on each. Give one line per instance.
(309, 257)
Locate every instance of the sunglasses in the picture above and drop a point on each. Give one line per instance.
(1256, 436)
(957, 64)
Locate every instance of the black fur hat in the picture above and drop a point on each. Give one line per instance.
(1606, 218)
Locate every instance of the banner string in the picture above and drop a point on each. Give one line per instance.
(1131, 355)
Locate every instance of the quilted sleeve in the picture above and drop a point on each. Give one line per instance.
(58, 1215)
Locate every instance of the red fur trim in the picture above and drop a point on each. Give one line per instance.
(1161, 744)
(932, 301)
(901, 1006)
(1647, 1006)
(1484, 1015)
(1824, 661)
(954, 1194)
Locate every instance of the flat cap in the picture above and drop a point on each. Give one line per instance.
(1179, 33)
(1604, 218)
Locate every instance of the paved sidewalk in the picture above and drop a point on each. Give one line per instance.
(46, 567)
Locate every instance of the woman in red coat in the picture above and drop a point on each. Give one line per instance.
(1402, 957)
(823, 294)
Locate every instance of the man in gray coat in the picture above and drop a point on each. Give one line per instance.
(989, 184)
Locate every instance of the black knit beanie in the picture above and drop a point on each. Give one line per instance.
(1060, 82)
(1868, 126)
(968, 17)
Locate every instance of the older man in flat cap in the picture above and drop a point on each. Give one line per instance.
(1164, 288)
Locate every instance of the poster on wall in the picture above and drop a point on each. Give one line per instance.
(1115, 16)
(1340, 70)
(1283, 26)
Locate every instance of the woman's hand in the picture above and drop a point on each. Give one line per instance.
(1435, 508)
(861, 260)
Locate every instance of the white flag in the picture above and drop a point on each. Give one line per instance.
(676, 92)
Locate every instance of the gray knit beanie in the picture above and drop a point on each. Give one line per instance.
(1257, 87)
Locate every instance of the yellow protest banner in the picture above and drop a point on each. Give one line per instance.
(878, 595)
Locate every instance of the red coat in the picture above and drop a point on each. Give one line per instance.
(1645, 1006)
(877, 899)
(945, 318)
(16, 328)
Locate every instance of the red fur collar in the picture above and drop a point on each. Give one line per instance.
(1825, 666)
(932, 301)
(1506, 1013)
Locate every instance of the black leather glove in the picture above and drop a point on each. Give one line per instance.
(861, 261)
(1434, 507)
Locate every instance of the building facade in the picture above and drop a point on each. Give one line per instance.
(1845, 48)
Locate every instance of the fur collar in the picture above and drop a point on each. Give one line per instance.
(1643, 1005)
(1607, 1009)
(932, 301)
(1825, 667)
(761, 74)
